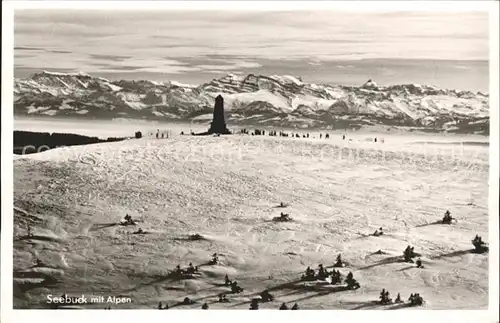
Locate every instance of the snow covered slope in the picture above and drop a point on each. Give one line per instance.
(227, 189)
(255, 99)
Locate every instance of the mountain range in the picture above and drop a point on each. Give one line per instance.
(257, 100)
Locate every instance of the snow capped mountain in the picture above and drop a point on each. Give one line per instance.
(275, 100)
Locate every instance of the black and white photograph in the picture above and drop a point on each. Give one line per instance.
(292, 156)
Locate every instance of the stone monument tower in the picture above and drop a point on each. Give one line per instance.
(218, 124)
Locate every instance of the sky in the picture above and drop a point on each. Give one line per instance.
(197, 46)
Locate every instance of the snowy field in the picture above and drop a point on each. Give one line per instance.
(227, 189)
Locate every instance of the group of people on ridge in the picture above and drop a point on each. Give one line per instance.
(273, 133)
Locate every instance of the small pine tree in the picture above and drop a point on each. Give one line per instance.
(351, 282)
(416, 300)
(254, 305)
(335, 277)
(479, 245)
(382, 296)
(266, 296)
(411, 298)
(339, 261)
(283, 307)
(204, 306)
(408, 254)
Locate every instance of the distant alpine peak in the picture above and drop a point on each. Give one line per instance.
(232, 76)
(79, 73)
(288, 79)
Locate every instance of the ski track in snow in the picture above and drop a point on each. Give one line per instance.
(227, 189)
